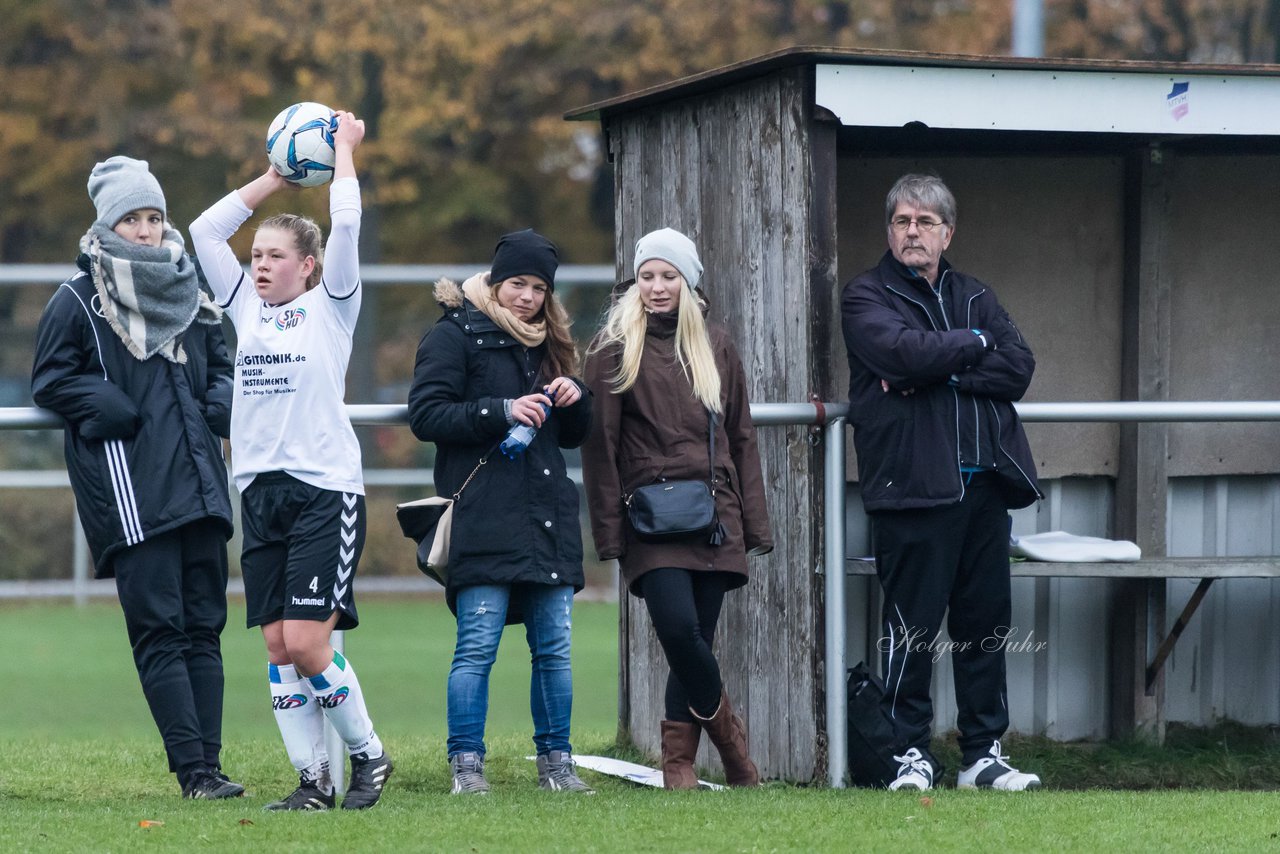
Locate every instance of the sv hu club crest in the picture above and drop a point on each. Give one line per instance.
(335, 699)
(290, 318)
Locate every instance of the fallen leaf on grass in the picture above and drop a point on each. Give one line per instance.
(147, 823)
(244, 821)
(926, 801)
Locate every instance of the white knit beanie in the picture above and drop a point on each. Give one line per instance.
(667, 244)
(121, 184)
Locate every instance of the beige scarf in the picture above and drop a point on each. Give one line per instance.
(478, 291)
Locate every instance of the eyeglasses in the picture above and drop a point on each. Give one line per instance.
(902, 223)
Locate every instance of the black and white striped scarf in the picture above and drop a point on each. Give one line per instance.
(150, 294)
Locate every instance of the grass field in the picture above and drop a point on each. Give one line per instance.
(77, 672)
(82, 766)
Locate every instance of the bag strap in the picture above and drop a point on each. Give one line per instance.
(487, 453)
(718, 533)
(711, 450)
(483, 460)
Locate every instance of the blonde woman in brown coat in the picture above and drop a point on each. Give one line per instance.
(656, 369)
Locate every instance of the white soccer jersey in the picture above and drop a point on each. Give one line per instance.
(288, 413)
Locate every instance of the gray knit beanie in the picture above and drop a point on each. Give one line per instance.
(121, 184)
(667, 244)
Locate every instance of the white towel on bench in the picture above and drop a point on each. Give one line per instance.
(1061, 547)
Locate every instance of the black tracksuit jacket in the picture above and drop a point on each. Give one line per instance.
(140, 439)
(898, 329)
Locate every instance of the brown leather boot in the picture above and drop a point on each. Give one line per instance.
(679, 745)
(729, 735)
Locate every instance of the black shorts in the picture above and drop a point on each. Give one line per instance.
(301, 548)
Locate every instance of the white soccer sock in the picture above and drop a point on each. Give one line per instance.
(337, 692)
(301, 723)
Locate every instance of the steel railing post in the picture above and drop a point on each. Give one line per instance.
(833, 559)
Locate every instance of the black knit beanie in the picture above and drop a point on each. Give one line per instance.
(525, 253)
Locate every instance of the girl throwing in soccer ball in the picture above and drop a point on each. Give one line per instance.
(296, 463)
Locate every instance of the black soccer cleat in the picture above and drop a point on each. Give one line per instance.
(367, 779)
(217, 772)
(308, 796)
(210, 785)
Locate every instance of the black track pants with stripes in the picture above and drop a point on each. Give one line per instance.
(173, 591)
(951, 560)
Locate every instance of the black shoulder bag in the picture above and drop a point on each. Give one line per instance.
(679, 510)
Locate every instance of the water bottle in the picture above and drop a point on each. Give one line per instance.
(520, 436)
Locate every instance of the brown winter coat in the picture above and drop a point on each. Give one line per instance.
(658, 429)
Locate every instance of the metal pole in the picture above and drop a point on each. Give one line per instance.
(79, 561)
(833, 559)
(1028, 28)
(773, 414)
(334, 745)
(1151, 410)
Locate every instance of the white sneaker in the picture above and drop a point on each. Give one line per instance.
(914, 772)
(994, 772)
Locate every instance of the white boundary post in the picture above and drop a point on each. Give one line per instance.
(334, 745)
(79, 559)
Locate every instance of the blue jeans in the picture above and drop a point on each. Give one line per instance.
(482, 613)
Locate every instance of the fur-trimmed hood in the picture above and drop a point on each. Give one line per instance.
(449, 293)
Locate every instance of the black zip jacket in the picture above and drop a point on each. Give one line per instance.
(898, 329)
(517, 522)
(140, 439)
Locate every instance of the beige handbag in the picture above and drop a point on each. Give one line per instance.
(427, 522)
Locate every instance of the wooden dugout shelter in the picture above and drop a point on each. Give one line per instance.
(1115, 209)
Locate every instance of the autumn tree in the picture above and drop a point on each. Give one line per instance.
(1206, 31)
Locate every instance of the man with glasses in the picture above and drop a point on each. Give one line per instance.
(935, 364)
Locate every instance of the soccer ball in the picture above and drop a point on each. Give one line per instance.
(300, 143)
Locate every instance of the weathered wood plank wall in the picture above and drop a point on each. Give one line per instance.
(733, 171)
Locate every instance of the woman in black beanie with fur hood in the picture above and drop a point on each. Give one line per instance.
(500, 356)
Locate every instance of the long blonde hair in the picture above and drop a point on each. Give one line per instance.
(624, 325)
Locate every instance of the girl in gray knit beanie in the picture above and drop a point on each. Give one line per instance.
(119, 185)
(147, 284)
(145, 393)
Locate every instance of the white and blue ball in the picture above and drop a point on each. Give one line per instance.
(300, 143)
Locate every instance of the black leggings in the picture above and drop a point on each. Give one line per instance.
(685, 607)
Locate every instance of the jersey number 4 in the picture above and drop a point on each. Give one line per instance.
(315, 583)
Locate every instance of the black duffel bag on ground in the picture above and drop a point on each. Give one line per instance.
(870, 733)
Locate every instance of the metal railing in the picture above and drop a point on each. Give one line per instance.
(371, 274)
(832, 417)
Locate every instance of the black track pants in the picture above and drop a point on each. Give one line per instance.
(931, 560)
(173, 591)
